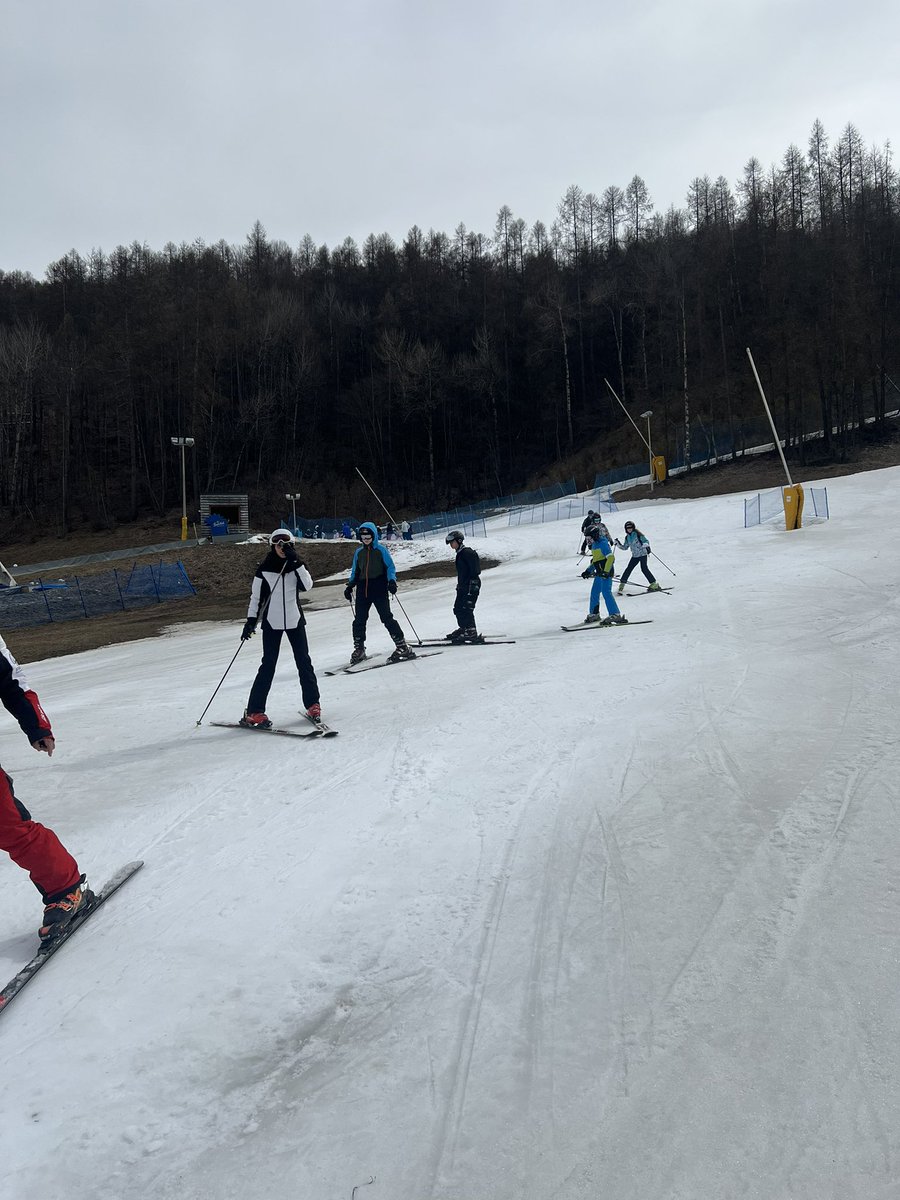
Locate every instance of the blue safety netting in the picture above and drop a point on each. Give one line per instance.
(44, 600)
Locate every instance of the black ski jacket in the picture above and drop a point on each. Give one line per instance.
(468, 567)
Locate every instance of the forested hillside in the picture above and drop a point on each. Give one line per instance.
(457, 366)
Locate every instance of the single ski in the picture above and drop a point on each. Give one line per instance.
(354, 670)
(481, 642)
(339, 670)
(320, 728)
(45, 953)
(645, 591)
(600, 625)
(281, 732)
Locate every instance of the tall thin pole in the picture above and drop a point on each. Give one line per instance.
(769, 415)
(375, 494)
(650, 449)
(627, 414)
(183, 496)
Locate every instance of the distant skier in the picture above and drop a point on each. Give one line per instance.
(274, 598)
(374, 578)
(601, 569)
(53, 871)
(587, 524)
(640, 549)
(468, 588)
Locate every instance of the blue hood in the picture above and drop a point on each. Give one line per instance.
(373, 529)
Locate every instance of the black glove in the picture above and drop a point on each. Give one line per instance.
(474, 588)
(291, 555)
(392, 586)
(249, 628)
(588, 573)
(348, 592)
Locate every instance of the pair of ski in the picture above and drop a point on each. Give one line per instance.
(432, 646)
(496, 640)
(357, 668)
(601, 625)
(46, 952)
(319, 730)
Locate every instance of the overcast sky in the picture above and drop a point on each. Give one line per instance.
(169, 120)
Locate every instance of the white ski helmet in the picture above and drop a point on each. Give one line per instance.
(280, 535)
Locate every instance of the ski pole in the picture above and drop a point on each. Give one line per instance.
(668, 568)
(406, 614)
(219, 684)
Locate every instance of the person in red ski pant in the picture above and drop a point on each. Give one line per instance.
(53, 870)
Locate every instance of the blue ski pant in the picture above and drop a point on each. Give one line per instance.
(603, 587)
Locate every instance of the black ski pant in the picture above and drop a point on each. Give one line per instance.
(271, 640)
(648, 574)
(464, 608)
(380, 601)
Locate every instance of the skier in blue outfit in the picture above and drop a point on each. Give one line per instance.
(601, 569)
(640, 549)
(374, 577)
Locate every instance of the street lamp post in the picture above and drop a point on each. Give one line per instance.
(648, 414)
(293, 497)
(185, 444)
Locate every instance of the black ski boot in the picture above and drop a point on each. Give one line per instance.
(359, 652)
(402, 651)
(60, 910)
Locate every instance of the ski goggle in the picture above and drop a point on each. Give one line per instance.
(365, 533)
(629, 528)
(280, 539)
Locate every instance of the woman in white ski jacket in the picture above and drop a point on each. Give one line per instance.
(640, 549)
(274, 598)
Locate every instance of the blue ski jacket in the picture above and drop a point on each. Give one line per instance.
(636, 543)
(367, 568)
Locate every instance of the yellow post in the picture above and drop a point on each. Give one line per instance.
(184, 524)
(658, 463)
(792, 498)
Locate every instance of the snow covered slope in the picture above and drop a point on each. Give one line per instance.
(611, 913)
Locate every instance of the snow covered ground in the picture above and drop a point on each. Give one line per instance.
(605, 914)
